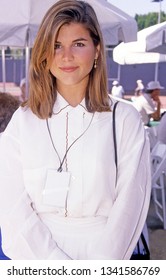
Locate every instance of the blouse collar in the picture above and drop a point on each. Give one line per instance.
(62, 106)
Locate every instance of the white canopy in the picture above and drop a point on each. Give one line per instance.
(19, 21)
(156, 38)
(132, 53)
(116, 24)
(144, 50)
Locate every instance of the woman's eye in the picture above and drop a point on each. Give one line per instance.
(79, 44)
(57, 46)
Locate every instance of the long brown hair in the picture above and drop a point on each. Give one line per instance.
(42, 84)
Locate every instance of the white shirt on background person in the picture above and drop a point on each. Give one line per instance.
(145, 106)
(117, 91)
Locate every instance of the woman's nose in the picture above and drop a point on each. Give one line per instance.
(67, 54)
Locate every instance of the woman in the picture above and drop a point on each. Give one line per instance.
(60, 198)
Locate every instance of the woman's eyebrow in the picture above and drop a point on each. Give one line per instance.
(74, 41)
(79, 39)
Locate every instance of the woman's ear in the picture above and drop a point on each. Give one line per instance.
(97, 51)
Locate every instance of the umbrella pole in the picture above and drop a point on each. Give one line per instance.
(27, 60)
(119, 72)
(156, 72)
(3, 69)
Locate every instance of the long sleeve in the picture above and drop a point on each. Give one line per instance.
(30, 238)
(132, 191)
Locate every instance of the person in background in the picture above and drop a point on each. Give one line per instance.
(8, 105)
(62, 195)
(148, 104)
(23, 90)
(117, 90)
(140, 88)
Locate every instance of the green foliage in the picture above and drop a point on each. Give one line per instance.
(149, 19)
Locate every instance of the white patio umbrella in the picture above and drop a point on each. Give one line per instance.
(134, 53)
(19, 22)
(20, 19)
(116, 25)
(19, 29)
(156, 38)
(149, 48)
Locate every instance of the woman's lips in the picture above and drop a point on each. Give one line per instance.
(68, 69)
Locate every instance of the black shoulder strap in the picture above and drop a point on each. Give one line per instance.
(114, 133)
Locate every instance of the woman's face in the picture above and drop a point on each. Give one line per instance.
(74, 56)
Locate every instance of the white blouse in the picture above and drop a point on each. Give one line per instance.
(104, 217)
